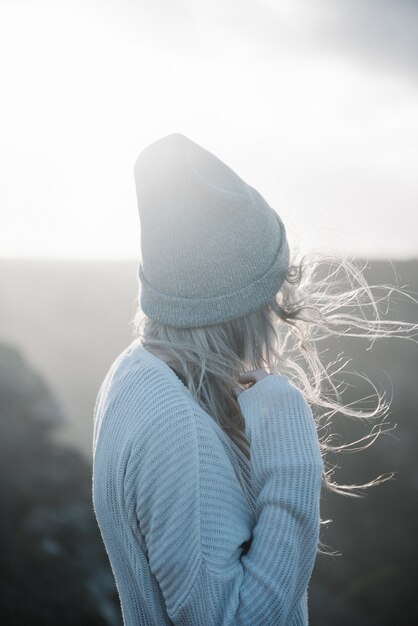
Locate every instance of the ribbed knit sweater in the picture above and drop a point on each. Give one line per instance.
(176, 505)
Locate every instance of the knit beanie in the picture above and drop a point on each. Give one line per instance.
(212, 248)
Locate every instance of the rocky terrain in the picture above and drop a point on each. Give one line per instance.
(53, 567)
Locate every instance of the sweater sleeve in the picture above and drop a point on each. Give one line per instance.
(194, 519)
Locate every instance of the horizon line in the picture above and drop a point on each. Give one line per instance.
(132, 259)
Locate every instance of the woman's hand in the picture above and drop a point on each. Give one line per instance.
(250, 378)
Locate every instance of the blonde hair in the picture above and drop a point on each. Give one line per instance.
(322, 296)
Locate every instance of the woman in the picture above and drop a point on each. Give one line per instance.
(207, 465)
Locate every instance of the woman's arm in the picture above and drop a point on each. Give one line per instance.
(194, 519)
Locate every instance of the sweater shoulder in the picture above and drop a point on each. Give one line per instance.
(139, 394)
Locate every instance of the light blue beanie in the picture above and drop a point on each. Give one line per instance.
(212, 248)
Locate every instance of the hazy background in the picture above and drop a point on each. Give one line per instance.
(314, 103)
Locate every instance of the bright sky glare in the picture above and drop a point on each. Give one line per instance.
(301, 98)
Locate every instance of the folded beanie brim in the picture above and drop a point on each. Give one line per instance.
(189, 312)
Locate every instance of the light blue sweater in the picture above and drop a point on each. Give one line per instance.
(174, 502)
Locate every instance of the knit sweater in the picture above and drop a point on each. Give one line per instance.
(176, 505)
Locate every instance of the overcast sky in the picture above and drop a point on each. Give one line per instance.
(313, 102)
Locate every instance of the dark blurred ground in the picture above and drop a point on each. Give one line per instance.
(61, 325)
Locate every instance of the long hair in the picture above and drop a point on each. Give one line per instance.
(322, 296)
